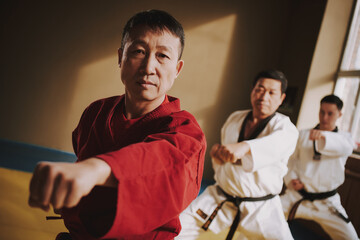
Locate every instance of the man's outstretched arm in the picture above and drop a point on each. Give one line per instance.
(64, 184)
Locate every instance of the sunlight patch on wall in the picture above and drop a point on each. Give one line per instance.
(205, 55)
(316, 90)
(97, 80)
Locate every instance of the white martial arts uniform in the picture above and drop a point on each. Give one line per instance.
(322, 175)
(260, 174)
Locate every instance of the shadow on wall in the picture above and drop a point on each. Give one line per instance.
(57, 57)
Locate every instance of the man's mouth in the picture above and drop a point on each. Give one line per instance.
(145, 83)
(261, 103)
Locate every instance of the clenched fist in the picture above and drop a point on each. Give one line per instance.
(64, 184)
(229, 152)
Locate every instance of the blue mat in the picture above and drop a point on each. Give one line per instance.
(204, 184)
(24, 156)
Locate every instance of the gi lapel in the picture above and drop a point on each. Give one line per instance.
(257, 131)
(317, 155)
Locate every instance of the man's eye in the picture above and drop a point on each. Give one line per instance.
(161, 55)
(139, 51)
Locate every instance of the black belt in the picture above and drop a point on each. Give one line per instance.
(311, 197)
(236, 201)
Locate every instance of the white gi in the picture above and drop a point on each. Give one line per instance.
(260, 174)
(322, 175)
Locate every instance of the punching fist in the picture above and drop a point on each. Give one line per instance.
(64, 184)
(229, 152)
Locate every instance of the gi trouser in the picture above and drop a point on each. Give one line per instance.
(262, 219)
(325, 212)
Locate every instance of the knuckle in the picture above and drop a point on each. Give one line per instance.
(43, 166)
(45, 169)
(60, 177)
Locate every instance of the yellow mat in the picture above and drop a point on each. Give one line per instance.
(18, 221)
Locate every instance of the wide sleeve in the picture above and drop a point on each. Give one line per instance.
(335, 144)
(272, 148)
(158, 178)
(292, 166)
(230, 131)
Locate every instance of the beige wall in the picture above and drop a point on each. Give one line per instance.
(325, 61)
(57, 57)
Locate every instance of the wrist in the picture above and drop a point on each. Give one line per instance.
(102, 170)
(242, 149)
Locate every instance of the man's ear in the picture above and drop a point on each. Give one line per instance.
(120, 54)
(179, 66)
(283, 96)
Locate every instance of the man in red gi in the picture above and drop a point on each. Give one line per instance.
(140, 157)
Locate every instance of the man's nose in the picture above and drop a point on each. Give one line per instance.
(265, 95)
(149, 64)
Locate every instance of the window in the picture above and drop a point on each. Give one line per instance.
(348, 81)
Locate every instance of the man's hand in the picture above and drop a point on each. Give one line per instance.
(229, 152)
(316, 134)
(297, 184)
(64, 184)
(221, 154)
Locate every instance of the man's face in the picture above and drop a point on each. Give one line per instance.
(266, 97)
(328, 115)
(149, 63)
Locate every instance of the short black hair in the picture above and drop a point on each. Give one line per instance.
(334, 100)
(157, 20)
(273, 74)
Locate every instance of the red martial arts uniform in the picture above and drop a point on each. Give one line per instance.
(157, 160)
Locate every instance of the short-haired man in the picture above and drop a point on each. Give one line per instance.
(140, 157)
(249, 168)
(316, 170)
